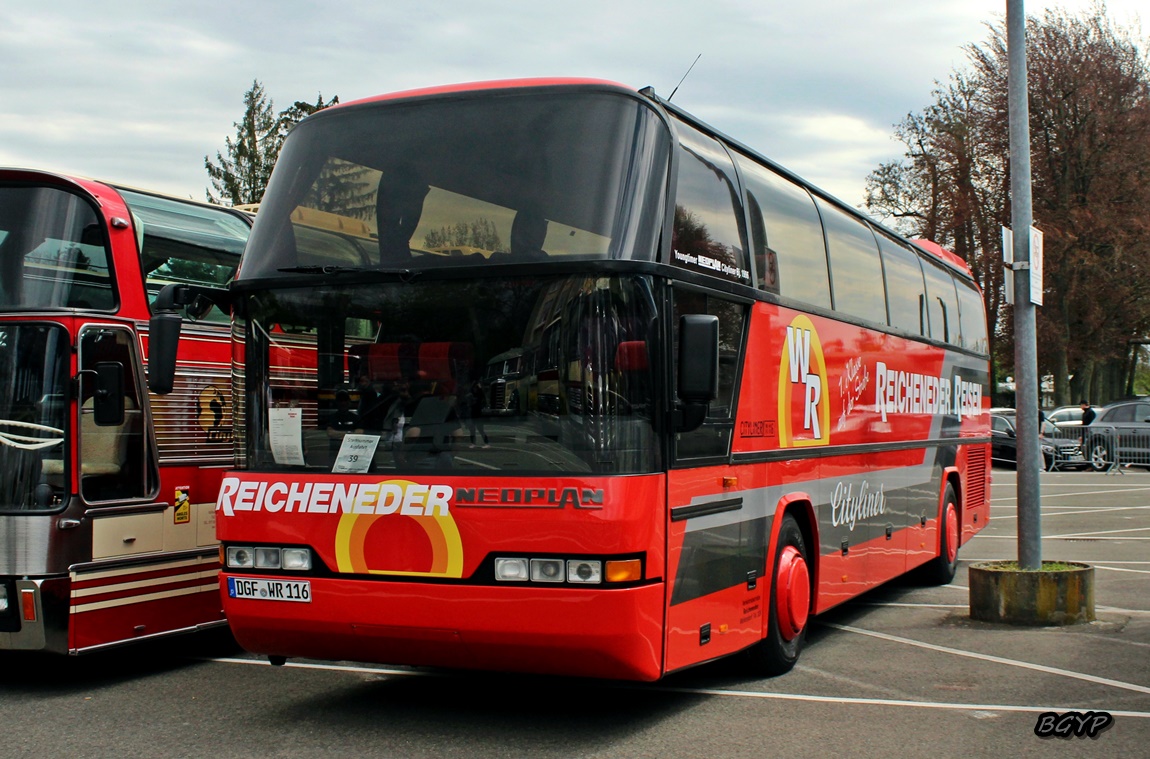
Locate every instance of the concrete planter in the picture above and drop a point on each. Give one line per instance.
(1000, 592)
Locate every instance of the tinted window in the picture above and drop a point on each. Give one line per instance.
(706, 233)
(791, 256)
(186, 242)
(714, 437)
(1119, 414)
(505, 177)
(942, 303)
(856, 272)
(971, 318)
(53, 251)
(905, 289)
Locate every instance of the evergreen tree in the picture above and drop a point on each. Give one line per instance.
(240, 174)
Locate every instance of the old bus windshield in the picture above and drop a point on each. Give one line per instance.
(380, 377)
(53, 252)
(484, 181)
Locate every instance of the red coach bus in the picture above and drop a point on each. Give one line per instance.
(740, 402)
(107, 522)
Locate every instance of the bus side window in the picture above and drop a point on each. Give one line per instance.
(905, 288)
(942, 303)
(791, 253)
(707, 234)
(856, 271)
(713, 438)
(971, 318)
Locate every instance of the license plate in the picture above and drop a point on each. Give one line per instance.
(270, 590)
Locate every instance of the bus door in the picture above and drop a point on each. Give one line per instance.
(717, 524)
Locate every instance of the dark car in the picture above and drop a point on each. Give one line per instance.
(1120, 434)
(1058, 450)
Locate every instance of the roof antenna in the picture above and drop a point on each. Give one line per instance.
(680, 84)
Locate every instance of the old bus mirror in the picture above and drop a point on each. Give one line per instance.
(108, 399)
(698, 379)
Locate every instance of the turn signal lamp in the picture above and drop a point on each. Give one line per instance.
(630, 570)
(28, 602)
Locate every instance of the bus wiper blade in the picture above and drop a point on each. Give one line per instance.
(330, 269)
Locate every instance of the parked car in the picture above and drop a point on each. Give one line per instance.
(1068, 416)
(1120, 434)
(1058, 452)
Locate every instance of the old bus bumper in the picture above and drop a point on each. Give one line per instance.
(562, 631)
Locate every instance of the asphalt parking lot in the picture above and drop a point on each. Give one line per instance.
(902, 671)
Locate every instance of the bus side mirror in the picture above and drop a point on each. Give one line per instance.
(164, 327)
(163, 338)
(698, 379)
(108, 399)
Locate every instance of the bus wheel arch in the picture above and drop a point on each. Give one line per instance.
(941, 569)
(791, 597)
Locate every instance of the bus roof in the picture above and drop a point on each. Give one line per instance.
(496, 84)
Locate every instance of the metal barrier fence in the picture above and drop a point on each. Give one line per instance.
(1107, 448)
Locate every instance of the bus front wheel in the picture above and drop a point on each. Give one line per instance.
(790, 604)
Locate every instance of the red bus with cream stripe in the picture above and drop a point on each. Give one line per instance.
(740, 402)
(107, 494)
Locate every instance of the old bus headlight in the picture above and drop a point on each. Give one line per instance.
(3, 598)
(297, 559)
(268, 557)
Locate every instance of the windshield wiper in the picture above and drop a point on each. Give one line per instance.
(329, 269)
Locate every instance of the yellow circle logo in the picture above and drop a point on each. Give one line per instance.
(804, 398)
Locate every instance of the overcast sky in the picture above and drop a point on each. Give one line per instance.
(139, 91)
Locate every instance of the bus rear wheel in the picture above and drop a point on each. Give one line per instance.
(790, 604)
(940, 570)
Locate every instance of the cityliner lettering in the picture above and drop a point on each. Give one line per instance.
(898, 392)
(381, 498)
(848, 508)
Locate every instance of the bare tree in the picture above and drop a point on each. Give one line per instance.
(1089, 91)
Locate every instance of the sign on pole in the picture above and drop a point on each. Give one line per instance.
(1035, 266)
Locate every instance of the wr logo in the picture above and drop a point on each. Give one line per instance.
(1072, 724)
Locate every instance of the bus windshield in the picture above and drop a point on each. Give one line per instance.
(503, 179)
(380, 377)
(53, 252)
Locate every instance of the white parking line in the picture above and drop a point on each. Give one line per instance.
(994, 659)
(1099, 532)
(802, 697)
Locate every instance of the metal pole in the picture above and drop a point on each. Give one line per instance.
(1025, 344)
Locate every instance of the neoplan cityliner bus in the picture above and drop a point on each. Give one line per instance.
(740, 401)
(107, 522)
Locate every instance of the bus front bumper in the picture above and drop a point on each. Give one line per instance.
(606, 633)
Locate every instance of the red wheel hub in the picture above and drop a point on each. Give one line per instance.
(792, 593)
(951, 533)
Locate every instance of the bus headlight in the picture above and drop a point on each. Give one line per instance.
(268, 557)
(584, 571)
(511, 570)
(297, 559)
(3, 598)
(240, 557)
(547, 570)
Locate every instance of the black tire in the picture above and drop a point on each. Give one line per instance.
(940, 570)
(777, 653)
